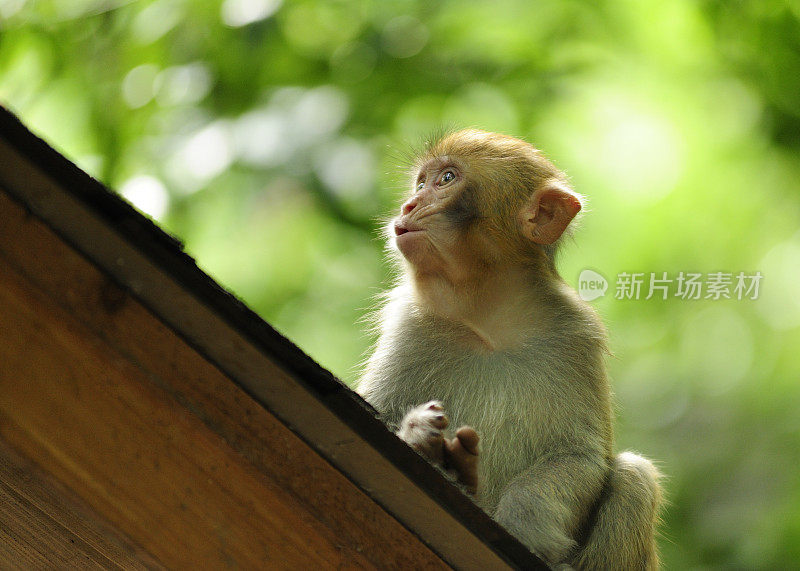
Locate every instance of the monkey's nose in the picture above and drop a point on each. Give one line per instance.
(409, 206)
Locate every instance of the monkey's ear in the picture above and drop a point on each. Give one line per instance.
(549, 212)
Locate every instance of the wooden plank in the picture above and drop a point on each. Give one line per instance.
(102, 307)
(43, 526)
(83, 411)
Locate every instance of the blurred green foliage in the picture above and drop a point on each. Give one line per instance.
(270, 138)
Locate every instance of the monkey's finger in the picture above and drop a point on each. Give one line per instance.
(440, 421)
(433, 414)
(468, 438)
(463, 462)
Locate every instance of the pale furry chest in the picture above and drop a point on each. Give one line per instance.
(489, 390)
(497, 395)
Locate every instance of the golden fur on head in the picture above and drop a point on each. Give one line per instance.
(513, 161)
(509, 170)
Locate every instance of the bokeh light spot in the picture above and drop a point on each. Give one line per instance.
(148, 194)
(138, 85)
(404, 36)
(236, 13)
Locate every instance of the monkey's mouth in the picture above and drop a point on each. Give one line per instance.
(400, 229)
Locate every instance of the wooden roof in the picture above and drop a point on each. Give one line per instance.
(135, 389)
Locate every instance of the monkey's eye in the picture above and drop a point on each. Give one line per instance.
(421, 185)
(447, 177)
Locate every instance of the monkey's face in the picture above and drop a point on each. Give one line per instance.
(481, 201)
(434, 229)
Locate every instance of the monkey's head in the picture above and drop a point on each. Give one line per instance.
(481, 199)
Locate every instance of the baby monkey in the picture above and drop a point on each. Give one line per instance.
(483, 333)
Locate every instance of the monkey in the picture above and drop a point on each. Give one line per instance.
(482, 332)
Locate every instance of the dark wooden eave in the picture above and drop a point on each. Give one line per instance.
(326, 414)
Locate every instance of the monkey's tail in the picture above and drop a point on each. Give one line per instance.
(623, 532)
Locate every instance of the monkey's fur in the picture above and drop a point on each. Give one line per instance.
(482, 322)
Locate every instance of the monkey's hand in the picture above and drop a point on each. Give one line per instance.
(422, 429)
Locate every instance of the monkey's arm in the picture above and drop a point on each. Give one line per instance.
(546, 505)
